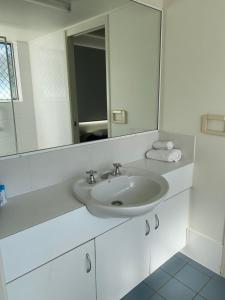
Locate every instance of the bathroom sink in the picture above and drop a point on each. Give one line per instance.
(131, 194)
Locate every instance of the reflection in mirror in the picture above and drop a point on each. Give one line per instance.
(88, 67)
(62, 83)
(8, 94)
(134, 38)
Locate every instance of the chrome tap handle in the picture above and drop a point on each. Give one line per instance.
(91, 179)
(116, 170)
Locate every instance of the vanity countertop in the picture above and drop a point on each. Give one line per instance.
(36, 207)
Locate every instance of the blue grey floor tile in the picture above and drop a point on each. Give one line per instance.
(156, 297)
(192, 278)
(198, 297)
(174, 290)
(214, 290)
(174, 265)
(157, 279)
(141, 292)
(182, 256)
(220, 279)
(201, 268)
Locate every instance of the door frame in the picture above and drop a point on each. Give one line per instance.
(76, 30)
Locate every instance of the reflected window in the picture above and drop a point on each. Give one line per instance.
(8, 82)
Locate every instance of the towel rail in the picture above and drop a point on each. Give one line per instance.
(207, 118)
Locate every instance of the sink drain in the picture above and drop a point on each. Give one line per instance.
(117, 203)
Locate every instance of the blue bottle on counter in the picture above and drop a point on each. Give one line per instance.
(3, 199)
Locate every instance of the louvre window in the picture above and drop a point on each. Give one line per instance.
(8, 82)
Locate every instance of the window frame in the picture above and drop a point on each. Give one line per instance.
(14, 69)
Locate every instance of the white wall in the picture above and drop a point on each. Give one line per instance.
(193, 84)
(50, 90)
(7, 130)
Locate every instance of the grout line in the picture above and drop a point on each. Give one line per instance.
(196, 292)
(156, 290)
(158, 295)
(173, 276)
(203, 288)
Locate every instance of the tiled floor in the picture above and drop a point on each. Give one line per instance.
(180, 279)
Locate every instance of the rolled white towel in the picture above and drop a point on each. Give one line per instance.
(163, 145)
(173, 155)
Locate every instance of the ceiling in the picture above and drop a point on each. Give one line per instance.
(30, 20)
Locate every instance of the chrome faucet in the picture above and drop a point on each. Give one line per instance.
(91, 179)
(116, 171)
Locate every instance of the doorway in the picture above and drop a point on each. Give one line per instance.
(88, 85)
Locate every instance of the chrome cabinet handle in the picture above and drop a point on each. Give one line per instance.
(148, 229)
(156, 222)
(88, 260)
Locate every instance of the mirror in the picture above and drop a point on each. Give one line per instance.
(69, 77)
(88, 83)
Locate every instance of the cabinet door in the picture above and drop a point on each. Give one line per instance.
(169, 221)
(70, 277)
(122, 258)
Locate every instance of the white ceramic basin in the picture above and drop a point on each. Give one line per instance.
(124, 196)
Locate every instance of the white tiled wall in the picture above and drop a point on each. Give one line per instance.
(38, 170)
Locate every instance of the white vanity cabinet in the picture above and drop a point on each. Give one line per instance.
(122, 258)
(127, 254)
(81, 257)
(169, 222)
(70, 276)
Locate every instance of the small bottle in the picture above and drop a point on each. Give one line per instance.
(3, 199)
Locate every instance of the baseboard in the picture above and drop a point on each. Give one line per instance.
(204, 250)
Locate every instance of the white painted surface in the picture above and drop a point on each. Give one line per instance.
(24, 251)
(194, 71)
(63, 278)
(32, 21)
(122, 259)
(7, 130)
(39, 206)
(158, 4)
(34, 247)
(134, 39)
(170, 237)
(3, 292)
(179, 180)
(50, 90)
(37, 170)
(198, 244)
(24, 108)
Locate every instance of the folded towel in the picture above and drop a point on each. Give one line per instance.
(173, 155)
(163, 145)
